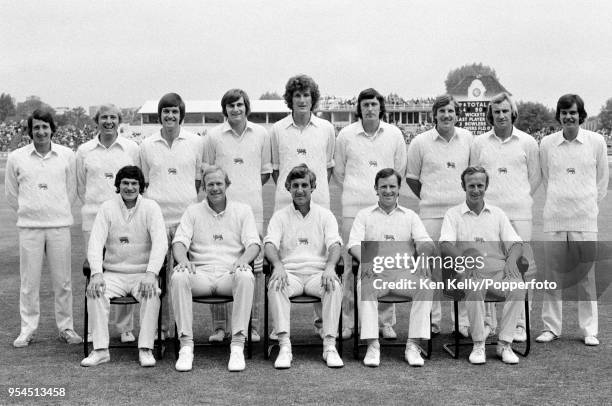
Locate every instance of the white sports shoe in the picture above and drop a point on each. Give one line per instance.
(504, 351)
(591, 341)
(255, 338)
(546, 337)
(413, 355)
(96, 357)
(372, 357)
(217, 337)
(185, 359)
(388, 333)
(332, 358)
(520, 335)
(283, 361)
(478, 355)
(464, 331)
(127, 337)
(236, 362)
(146, 358)
(23, 340)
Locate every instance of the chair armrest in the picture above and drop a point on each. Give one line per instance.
(267, 267)
(523, 265)
(340, 267)
(86, 269)
(355, 266)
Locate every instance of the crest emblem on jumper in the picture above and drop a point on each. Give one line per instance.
(124, 240)
(450, 165)
(171, 171)
(301, 151)
(42, 186)
(389, 237)
(571, 171)
(108, 175)
(239, 161)
(218, 237)
(303, 241)
(502, 170)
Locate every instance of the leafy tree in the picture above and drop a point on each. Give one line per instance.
(534, 117)
(7, 106)
(605, 116)
(77, 117)
(457, 75)
(24, 109)
(270, 96)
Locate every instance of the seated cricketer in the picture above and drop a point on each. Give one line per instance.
(132, 230)
(213, 245)
(388, 221)
(303, 246)
(482, 231)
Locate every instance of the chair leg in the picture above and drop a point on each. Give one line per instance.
(340, 344)
(456, 312)
(266, 332)
(176, 340)
(527, 326)
(85, 328)
(527, 331)
(355, 321)
(453, 348)
(429, 342)
(159, 350)
(249, 338)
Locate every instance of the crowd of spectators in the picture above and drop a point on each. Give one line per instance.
(391, 101)
(10, 132)
(14, 135)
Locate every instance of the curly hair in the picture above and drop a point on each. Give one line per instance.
(301, 83)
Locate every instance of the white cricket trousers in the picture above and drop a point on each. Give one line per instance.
(220, 312)
(185, 285)
(120, 284)
(55, 244)
(309, 284)
(433, 228)
(475, 305)
(552, 305)
(419, 323)
(386, 311)
(122, 317)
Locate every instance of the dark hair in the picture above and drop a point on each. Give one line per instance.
(442, 101)
(171, 100)
(371, 94)
(566, 101)
(301, 172)
(470, 170)
(130, 172)
(500, 98)
(232, 96)
(41, 114)
(301, 83)
(386, 173)
(106, 107)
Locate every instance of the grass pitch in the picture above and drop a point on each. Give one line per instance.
(562, 372)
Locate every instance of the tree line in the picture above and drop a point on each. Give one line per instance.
(533, 116)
